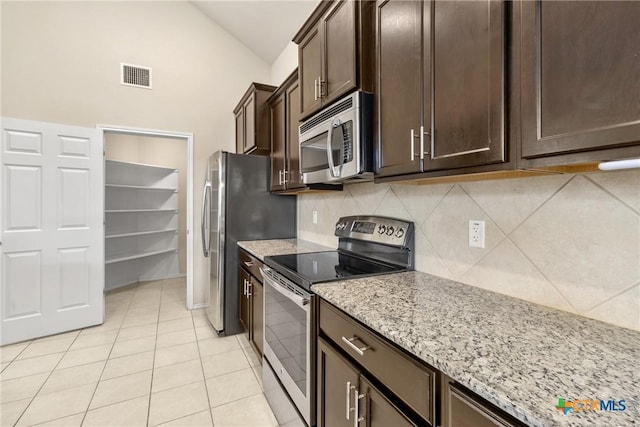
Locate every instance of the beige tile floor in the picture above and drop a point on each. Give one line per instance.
(151, 363)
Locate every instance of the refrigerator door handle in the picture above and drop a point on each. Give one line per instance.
(203, 223)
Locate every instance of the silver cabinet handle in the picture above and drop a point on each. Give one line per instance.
(359, 350)
(244, 287)
(320, 91)
(357, 418)
(248, 263)
(348, 414)
(284, 176)
(422, 134)
(413, 137)
(249, 289)
(315, 90)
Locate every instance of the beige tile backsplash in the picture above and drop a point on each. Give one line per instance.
(570, 242)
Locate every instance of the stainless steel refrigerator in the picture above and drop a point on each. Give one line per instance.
(237, 205)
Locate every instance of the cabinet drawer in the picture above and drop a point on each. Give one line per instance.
(461, 408)
(410, 381)
(251, 264)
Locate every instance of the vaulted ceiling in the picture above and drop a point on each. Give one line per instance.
(264, 26)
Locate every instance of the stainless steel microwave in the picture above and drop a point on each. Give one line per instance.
(336, 145)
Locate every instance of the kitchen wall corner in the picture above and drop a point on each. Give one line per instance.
(571, 242)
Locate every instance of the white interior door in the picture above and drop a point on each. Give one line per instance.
(52, 192)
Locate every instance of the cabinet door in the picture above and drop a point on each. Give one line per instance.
(310, 71)
(257, 314)
(400, 70)
(250, 123)
(339, 27)
(468, 84)
(337, 380)
(278, 133)
(240, 132)
(294, 180)
(244, 278)
(463, 410)
(580, 76)
(377, 410)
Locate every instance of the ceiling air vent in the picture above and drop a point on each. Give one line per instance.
(135, 75)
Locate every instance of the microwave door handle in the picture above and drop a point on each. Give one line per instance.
(335, 170)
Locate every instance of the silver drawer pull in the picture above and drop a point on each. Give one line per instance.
(248, 263)
(359, 350)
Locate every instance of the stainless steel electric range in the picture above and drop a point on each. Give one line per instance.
(367, 246)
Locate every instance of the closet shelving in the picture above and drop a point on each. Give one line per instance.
(141, 223)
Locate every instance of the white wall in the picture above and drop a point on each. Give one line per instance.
(61, 63)
(286, 62)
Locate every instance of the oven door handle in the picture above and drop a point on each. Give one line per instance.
(297, 299)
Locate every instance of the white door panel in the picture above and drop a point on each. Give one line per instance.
(52, 229)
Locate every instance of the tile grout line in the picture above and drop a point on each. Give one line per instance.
(544, 202)
(155, 348)
(204, 379)
(45, 381)
(612, 297)
(508, 236)
(586, 176)
(206, 387)
(107, 361)
(553, 285)
(427, 237)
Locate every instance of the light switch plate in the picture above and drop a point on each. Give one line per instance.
(315, 217)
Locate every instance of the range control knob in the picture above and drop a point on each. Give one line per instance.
(400, 232)
(382, 229)
(390, 230)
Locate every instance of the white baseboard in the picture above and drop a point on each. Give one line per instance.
(199, 306)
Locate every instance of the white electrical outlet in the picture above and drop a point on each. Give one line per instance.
(315, 217)
(476, 233)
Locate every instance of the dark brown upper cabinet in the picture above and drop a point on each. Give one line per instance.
(335, 53)
(252, 120)
(285, 158)
(580, 81)
(440, 93)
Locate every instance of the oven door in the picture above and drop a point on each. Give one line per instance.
(287, 337)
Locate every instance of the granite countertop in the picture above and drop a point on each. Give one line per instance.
(263, 248)
(517, 355)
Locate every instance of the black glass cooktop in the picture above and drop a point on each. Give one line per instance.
(317, 267)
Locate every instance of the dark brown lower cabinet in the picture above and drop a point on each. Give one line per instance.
(461, 408)
(346, 398)
(244, 278)
(251, 300)
(364, 380)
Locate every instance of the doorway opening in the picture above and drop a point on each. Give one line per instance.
(148, 207)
